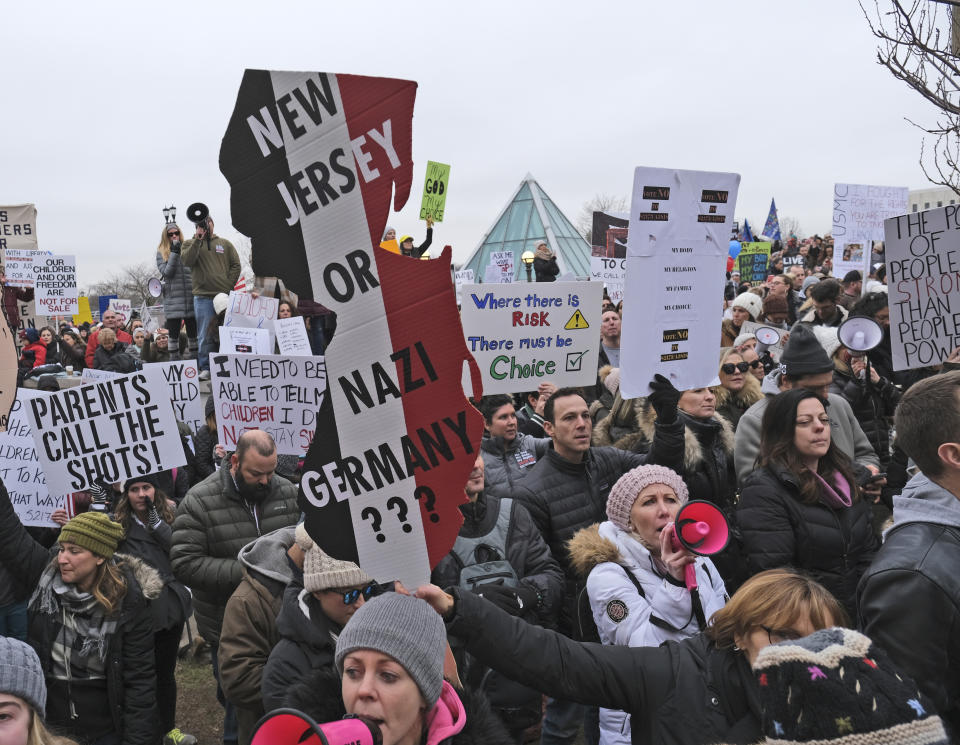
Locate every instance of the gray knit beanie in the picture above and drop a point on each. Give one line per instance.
(321, 571)
(21, 675)
(404, 628)
(624, 492)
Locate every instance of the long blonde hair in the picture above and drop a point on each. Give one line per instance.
(109, 585)
(164, 248)
(40, 735)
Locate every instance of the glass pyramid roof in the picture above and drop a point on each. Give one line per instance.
(531, 216)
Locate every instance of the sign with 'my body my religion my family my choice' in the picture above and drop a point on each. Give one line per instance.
(314, 161)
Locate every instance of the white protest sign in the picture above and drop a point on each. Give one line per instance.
(923, 274)
(677, 249)
(280, 395)
(89, 375)
(611, 272)
(109, 431)
(18, 227)
(150, 322)
(859, 211)
(245, 341)
(184, 389)
(503, 260)
(461, 278)
(20, 467)
(522, 335)
(56, 285)
(26, 310)
(19, 264)
(292, 336)
(750, 327)
(123, 308)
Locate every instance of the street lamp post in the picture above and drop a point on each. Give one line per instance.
(527, 259)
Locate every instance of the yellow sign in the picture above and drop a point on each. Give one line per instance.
(577, 321)
(84, 315)
(392, 246)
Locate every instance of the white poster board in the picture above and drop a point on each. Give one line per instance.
(238, 340)
(292, 336)
(612, 273)
(923, 275)
(677, 250)
(278, 394)
(184, 389)
(123, 308)
(246, 311)
(151, 323)
(19, 264)
(56, 285)
(461, 278)
(859, 211)
(503, 260)
(524, 334)
(89, 375)
(108, 431)
(750, 327)
(20, 467)
(18, 227)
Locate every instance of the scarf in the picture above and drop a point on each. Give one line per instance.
(83, 630)
(835, 496)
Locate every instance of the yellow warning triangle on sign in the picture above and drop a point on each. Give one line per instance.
(577, 321)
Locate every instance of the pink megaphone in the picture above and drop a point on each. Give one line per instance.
(292, 727)
(701, 528)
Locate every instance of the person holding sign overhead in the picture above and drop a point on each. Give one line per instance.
(408, 249)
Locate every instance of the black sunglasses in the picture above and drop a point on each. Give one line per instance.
(351, 596)
(729, 367)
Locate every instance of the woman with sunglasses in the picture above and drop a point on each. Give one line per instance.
(177, 291)
(311, 618)
(738, 389)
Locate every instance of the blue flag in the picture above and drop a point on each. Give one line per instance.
(746, 235)
(771, 228)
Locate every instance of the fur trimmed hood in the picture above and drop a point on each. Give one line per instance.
(742, 399)
(588, 549)
(149, 579)
(692, 451)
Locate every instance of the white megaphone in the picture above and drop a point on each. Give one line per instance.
(155, 287)
(766, 338)
(860, 334)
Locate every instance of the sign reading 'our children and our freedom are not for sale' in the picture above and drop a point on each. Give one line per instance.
(524, 334)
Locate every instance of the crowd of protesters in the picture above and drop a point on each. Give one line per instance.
(830, 614)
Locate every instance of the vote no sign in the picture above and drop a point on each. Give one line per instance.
(522, 335)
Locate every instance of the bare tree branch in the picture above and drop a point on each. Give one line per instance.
(599, 203)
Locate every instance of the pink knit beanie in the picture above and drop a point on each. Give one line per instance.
(624, 492)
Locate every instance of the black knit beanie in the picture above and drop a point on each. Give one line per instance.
(803, 354)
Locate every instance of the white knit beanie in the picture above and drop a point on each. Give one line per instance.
(750, 303)
(321, 571)
(624, 492)
(829, 339)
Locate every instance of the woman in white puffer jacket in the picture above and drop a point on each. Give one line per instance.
(635, 580)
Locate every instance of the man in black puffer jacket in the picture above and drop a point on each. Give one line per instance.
(567, 490)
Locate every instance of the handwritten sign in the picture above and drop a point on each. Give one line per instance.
(29, 319)
(503, 261)
(90, 375)
(184, 390)
(292, 336)
(522, 335)
(435, 191)
(611, 272)
(151, 322)
(278, 394)
(108, 431)
(923, 273)
(19, 264)
(123, 308)
(859, 212)
(18, 227)
(20, 467)
(56, 285)
(677, 251)
(752, 262)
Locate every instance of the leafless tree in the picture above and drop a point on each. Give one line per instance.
(919, 41)
(600, 203)
(790, 226)
(130, 282)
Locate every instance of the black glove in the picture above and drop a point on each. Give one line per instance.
(505, 598)
(175, 247)
(663, 397)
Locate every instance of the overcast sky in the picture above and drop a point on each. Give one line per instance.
(111, 111)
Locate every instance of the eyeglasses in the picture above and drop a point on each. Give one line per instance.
(351, 596)
(729, 367)
(781, 635)
(173, 234)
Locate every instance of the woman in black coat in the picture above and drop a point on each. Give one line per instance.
(545, 264)
(802, 507)
(93, 604)
(146, 516)
(694, 692)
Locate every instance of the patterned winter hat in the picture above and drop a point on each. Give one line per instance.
(836, 686)
(321, 571)
(624, 492)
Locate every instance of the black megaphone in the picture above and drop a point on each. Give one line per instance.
(702, 529)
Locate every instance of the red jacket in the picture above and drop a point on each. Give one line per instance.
(40, 348)
(92, 343)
